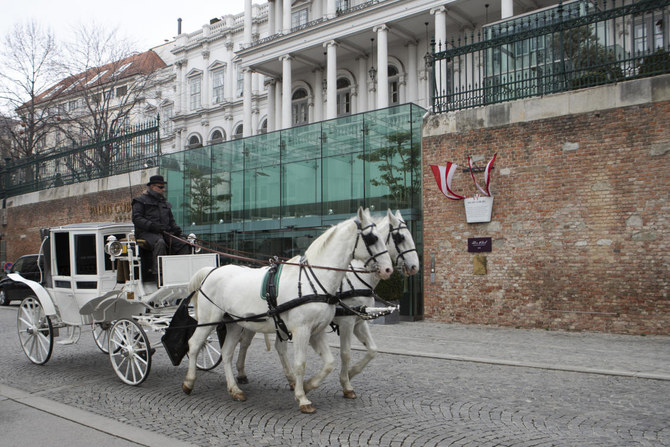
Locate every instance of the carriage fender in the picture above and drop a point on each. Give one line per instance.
(40, 292)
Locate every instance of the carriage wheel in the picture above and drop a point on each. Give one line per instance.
(129, 352)
(101, 336)
(210, 354)
(35, 331)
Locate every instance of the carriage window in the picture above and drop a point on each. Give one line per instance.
(62, 253)
(85, 254)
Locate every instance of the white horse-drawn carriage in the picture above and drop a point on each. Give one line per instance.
(94, 276)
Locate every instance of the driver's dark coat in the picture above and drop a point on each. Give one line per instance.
(153, 214)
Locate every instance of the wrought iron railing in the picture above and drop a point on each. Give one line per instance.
(573, 45)
(133, 148)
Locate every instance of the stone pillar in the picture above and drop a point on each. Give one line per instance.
(331, 79)
(362, 84)
(440, 68)
(247, 24)
(318, 94)
(229, 82)
(412, 74)
(271, 84)
(206, 93)
(278, 105)
(506, 9)
(271, 18)
(286, 17)
(279, 12)
(331, 10)
(382, 69)
(286, 91)
(246, 101)
(180, 86)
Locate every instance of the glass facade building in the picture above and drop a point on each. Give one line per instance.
(271, 194)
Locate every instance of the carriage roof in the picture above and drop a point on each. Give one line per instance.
(95, 226)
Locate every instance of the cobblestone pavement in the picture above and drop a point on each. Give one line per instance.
(403, 399)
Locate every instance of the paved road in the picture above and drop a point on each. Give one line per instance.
(488, 387)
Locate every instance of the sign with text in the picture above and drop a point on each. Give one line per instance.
(479, 244)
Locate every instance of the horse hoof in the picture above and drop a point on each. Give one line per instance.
(308, 409)
(186, 389)
(349, 394)
(239, 397)
(243, 380)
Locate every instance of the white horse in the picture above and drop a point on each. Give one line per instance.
(400, 244)
(234, 292)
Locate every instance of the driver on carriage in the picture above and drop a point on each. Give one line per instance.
(154, 222)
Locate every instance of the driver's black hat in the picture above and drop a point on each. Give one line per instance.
(156, 179)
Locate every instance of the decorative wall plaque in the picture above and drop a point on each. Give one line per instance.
(479, 244)
(478, 209)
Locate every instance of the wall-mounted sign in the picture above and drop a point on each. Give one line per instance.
(479, 244)
(478, 209)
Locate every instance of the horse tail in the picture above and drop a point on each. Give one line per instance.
(194, 286)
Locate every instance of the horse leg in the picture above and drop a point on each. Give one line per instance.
(227, 352)
(195, 343)
(300, 342)
(362, 332)
(282, 350)
(346, 325)
(320, 345)
(245, 341)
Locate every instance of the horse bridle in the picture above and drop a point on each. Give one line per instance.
(398, 238)
(369, 239)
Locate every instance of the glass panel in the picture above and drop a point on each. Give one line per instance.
(261, 180)
(85, 257)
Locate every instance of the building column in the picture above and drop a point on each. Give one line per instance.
(331, 9)
(271, 17)
(247, 23)
(286, 17)
(412, 73)
(440, 68)
(278, 104)
(180, 86)
(318, 94)
(271, 84)
(362, 84)
(286, 91)
(228, 86)
(331, 79)
(246, 101)
(382, 69)
(205, 91)
(506, 8)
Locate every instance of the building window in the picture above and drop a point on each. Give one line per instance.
(299, 18)
(239, 132)
(121, 91)
(343, 97)
(649, 34)
(218, 77)
(166, 118)
(299, 107)
(194, 141)
(264, 127)
(342, 5)
(394, 85)
(194, 89)
(72, 105)
(217, 137)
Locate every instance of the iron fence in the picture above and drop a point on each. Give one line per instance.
(133, 148)
(573, 45)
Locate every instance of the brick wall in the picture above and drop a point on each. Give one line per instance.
(580, 226)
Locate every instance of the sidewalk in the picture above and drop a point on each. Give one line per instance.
(587, 352)
(31, 419)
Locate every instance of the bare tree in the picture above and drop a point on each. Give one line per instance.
(29, 64)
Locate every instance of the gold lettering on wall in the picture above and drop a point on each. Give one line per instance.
(110, 209)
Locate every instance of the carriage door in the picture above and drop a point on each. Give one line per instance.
(63, 290)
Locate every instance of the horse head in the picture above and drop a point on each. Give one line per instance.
(370, 247)
(401, 244)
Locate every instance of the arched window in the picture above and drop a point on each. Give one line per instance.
(299, 107)
(264, 127)
(343, 97)
(194, 141)
(239, 132)
(218, 136)
(394, 85)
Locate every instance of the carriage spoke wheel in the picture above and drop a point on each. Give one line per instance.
(210, 354)
(129, 352)
(101, 336)
(35, 331)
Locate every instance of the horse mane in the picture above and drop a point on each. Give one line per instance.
(316, 247)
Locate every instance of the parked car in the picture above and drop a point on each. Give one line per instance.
(27, 267)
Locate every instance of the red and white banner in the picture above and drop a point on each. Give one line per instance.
(443, 176)
(487, 176)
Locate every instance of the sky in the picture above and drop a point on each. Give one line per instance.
(148, 23)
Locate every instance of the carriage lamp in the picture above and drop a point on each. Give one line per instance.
(113, 247)
(191, 240)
